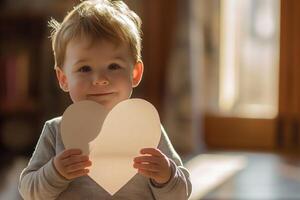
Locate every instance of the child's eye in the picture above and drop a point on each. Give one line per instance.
(85, 69)
(114, 66)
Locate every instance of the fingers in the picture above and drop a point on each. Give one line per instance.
(148, 164)
(71, 163)
(154, 165)
(74, 159)
(147, 167)
(149, 159)
(78, 173)
(69, 152)
(152, 151)
(78, 166)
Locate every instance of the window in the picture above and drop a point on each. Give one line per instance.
(249, 58)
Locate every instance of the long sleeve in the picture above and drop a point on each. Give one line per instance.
(40, 180)
(179, 187)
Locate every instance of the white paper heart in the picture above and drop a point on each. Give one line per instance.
(131, 125)
(81, 123)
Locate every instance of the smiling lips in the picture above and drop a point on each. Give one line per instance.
(99, 94)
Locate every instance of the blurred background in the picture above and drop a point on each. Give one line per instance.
(223, 74)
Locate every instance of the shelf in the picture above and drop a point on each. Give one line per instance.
(45, 10)
(18, 107)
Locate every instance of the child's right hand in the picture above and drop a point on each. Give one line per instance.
(71, 163)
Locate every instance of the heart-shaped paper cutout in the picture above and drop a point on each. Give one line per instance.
(81, 123)
(131, 125)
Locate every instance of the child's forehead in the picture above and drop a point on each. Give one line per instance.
(88, 42)
(90, 47)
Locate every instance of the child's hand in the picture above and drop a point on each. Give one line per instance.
(155, 165)
(71, 163)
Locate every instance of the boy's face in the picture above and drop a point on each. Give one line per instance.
(99, 71)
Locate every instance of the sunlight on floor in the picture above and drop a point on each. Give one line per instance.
(210, 170)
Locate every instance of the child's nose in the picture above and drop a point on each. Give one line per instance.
(100, 80)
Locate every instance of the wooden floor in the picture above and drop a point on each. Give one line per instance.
(265, 176)
(226, 175)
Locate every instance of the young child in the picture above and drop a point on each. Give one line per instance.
(97, 50)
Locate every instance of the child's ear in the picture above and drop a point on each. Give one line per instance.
(62, 79)
(137, 73)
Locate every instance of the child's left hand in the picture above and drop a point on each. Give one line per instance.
(154, 165)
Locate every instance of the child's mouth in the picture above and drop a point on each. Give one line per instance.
(99, 94)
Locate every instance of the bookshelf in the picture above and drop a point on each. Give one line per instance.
(19, 98)
(28, 96)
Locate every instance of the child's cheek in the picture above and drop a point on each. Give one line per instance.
(78, 90)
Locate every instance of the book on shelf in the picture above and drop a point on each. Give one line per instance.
(16, 95)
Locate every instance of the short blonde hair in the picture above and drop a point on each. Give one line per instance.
(98, 19)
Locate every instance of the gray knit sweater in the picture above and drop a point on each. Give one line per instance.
(40, 180)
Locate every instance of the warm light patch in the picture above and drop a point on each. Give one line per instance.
(209, 171)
